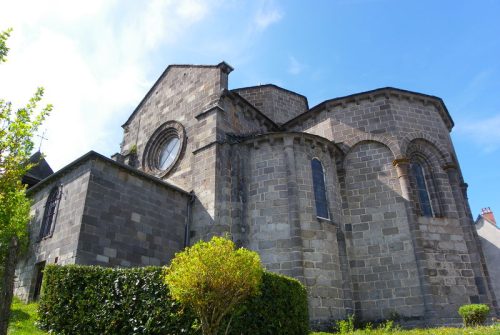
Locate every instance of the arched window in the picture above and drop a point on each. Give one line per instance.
(318, 178)
(424, 199)
(50, 212)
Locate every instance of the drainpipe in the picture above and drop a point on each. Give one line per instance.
(189, 218)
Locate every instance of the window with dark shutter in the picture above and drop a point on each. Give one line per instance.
(50, 212)
(318, 177)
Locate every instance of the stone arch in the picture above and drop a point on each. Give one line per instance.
(350, 149)
(433, 161)
(376, 227)
(426, 151)
(388, 141)
(444, 153)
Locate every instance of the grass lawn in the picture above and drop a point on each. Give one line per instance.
(24, 317)
(487, 330)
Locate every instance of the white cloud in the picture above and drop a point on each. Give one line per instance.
(266, 15)
(93, 58)
(294, 66)
(483, 132)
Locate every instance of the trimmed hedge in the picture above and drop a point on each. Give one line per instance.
(280, 309)
(95, 300)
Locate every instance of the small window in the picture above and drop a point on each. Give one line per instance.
(318, 177)
(422, 190)
(50, 212)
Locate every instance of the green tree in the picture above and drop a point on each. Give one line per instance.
(16, 131)
(212, 278)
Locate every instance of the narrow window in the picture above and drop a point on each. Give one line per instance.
(39, 267)
(422, 190)
(318, 177)
(50, 212)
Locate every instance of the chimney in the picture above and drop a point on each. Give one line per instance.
(487, 214)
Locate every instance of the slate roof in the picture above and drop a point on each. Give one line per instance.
(40, 171)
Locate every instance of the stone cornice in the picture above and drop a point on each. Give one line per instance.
(386, 92)
(303, 138)
(92, 155)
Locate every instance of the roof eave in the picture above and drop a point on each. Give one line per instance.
(94, 155)
(379, 91)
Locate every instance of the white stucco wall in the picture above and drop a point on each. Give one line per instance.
(490, 241)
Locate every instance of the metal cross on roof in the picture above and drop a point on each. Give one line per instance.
(42, 137)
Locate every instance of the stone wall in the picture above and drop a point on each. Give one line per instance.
(109, 215)
(277, 210)
(182, 93)
(278, 104)
(445, 267)
(448, 269)
(392, 119)
(191, 96)
(241, 118)
(61, 246)
(381, 257)
(129, 220)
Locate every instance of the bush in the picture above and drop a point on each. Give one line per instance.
(95, 300)
(346, 326)
(474, 314)
(280, 309)
(212, 278)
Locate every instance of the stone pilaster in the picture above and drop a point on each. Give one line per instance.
(402, 170)
(294, 208)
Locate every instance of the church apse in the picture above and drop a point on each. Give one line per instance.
(325, 194)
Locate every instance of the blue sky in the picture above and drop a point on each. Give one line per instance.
(96, 60)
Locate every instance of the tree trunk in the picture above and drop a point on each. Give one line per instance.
(8, 285)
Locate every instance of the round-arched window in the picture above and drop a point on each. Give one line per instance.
(164, 149)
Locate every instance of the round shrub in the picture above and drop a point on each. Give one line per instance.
(474, 314)
(212, 278)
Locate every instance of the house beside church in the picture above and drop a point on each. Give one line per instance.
(489, 235)
(360, 197)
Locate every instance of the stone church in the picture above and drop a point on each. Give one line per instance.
(360, 197)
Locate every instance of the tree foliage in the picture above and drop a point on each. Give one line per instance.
(4, 35)
(212, 278)
(17, 128)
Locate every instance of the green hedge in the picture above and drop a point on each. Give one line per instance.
(281, 309)
(95, 300)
